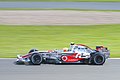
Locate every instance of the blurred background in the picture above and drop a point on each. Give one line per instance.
(53, 24)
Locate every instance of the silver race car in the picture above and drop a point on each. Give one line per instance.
(77, 53)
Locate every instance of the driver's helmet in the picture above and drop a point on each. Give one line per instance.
(33, 50)
(65, 49)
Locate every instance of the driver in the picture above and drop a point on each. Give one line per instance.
(65, 49)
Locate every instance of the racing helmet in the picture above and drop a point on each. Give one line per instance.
(65, 49)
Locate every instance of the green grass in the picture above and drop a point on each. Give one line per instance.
(19, 39)
(64, 0)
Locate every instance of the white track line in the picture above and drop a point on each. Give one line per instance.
(7, 58)
(114, 58)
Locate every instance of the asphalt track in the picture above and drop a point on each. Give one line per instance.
(109, 71)
(62, 5)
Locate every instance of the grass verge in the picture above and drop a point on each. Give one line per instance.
(62, 0)
(19, 39)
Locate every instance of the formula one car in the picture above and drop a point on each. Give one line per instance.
(77, 53)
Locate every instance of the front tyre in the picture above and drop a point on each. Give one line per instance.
(36, 59)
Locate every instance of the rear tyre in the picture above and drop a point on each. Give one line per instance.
(36, 59)
(98, 59)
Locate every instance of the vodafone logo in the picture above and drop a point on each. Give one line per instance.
(64, 58)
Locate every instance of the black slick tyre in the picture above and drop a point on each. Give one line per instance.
(36, 59)
(98, 59)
